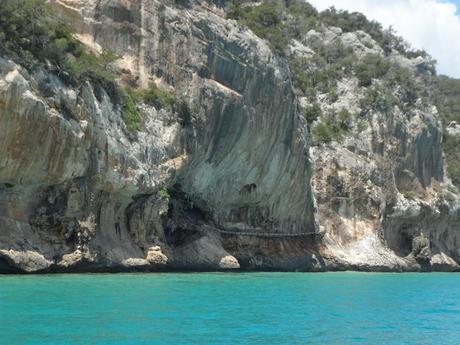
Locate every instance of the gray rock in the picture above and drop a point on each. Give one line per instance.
(136, 263)
(442, 262)
(156, 257)
(421, 248)
(453, 129)
(25, 261)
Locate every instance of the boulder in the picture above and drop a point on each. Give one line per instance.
(442, 262)
(156, 257)
(25, 261)
(229, 262)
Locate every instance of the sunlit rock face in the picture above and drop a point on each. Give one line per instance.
(228, 180)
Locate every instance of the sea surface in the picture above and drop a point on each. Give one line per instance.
(227, 308)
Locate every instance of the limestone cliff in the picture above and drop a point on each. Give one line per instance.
(233, 175)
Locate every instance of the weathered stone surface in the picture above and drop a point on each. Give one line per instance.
(76, 259)
(136, 263)
(156, 257)
(442, 262)
(229, 263)
(23, 261)
(453, 129)
(421, 248)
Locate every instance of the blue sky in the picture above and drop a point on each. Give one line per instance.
(432, 25)
(456, 2)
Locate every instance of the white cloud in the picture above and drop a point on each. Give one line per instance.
(432, 25)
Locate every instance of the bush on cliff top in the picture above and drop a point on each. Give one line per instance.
(279, 21)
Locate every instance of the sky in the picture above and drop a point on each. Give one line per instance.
(432, 25)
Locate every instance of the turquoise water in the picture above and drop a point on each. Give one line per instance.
(252, 308)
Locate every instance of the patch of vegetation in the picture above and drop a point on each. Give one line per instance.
(279, 21)
(157, 98)
(32, 33)
(312, 112)
(361, 126)
(378, 98)
(409, 194)
(354, 21)
(264, 19)
(448, 98)
(344, 117)
(163, 193)
(332, 127)
(27, 28)
(403, 80)
(373, 66)
(321, 72)
(85, 65)
(131, 116)
(152, 96)
(275, 20)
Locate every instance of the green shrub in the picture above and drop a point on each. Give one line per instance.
(322, 132)
(332, 94)
(312, 112)
(131, 116)
(89, 66)
(378, 98)
(302, 18)
(265, 21)
(364, 74)
(409, 194)
(344, 117)
(322, 71)
(332, 127)
(32, 32)
(354, 21)
(157, 98)
(27, 28)
(372, 67)
(152, 96)
(163, 193)
(235, 10)
(361, 126)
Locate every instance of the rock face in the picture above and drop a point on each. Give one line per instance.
(384, 201)
(80, 192)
